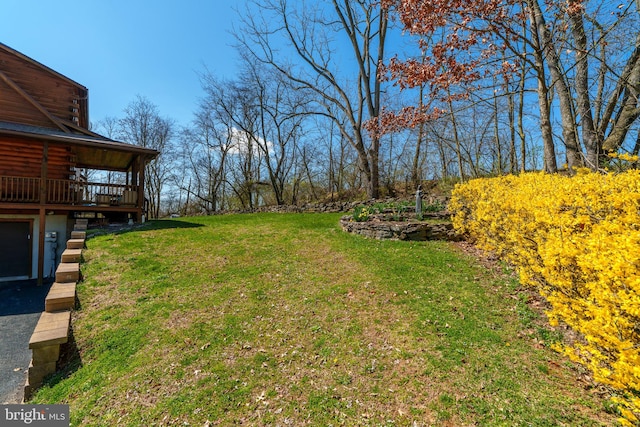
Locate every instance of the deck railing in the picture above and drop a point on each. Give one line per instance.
(19, 189)
(108, 194)
(67, 192)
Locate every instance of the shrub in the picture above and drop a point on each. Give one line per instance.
(378, 207)
(436, 206)
(577, 240)
(361, 213)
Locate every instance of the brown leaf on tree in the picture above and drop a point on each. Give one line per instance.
(455, 38)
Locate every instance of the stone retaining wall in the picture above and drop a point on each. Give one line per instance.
(327, 207)
(394, 230)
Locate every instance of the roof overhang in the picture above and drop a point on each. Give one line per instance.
(92, 151)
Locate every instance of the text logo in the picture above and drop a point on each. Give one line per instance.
(34, 415)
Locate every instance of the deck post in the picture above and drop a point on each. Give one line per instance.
(141, 166)
(42, 210)
(41, 232)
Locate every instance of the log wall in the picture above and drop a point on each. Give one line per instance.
(22, 158)
(58, 95)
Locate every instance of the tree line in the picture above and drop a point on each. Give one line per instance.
(367, 98)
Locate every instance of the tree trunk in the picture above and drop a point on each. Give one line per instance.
(496, 136)
(456, 139)
(629, 112)
(513, 160)
(373, 187)
(569, 133)
(415, 175)
(589, 136)
(550, 163)
(521, 134)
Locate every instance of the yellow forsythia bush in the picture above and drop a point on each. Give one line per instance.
(577, 240)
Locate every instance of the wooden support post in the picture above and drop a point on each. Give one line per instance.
(41, 232)
(141, 166)
(43, 213)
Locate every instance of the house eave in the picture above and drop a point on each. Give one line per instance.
(96, 149)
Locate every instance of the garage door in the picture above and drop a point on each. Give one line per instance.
(15, 249)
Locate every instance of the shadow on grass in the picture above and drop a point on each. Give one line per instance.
(161, 224)
(158, 224)
(68, 362)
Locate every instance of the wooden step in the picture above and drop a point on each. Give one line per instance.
(78, 234)
(82, 221)
(75, 243)
(71, 255)
(52, 328)
(68, 272)
(61, 296)
(80, 227)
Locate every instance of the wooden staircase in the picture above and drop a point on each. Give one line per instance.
(52, 329)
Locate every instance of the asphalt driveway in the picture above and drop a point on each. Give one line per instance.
(20, 306)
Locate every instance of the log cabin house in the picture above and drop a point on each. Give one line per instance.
(48, 157)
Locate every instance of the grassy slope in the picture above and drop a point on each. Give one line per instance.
(285, 320)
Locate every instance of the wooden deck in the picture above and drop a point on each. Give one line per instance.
(15, 189)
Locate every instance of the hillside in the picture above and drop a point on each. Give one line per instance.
(283, 319)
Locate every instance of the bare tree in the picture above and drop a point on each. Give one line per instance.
(206, 146)
(232, 106)
(561, 43)
(143, 126)
(109, 127)
(281, 111)
(325, 37)
(568, 40)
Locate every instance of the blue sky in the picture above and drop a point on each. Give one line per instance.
(119, 49)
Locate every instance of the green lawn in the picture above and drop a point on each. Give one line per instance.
(273, 319)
